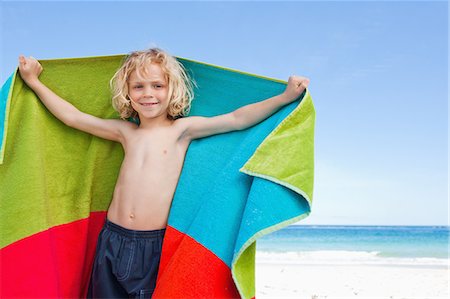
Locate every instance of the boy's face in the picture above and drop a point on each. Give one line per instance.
(149, 93)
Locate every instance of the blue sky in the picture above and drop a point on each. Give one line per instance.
(379, 81)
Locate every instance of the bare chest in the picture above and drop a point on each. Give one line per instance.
(156, 153)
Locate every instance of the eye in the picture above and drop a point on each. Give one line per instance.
(157, 86)
(137, 86)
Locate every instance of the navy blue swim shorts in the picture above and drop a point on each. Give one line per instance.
(126, 262)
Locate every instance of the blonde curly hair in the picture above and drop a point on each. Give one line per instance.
(180, 85)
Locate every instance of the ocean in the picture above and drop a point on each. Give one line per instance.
(356, 245)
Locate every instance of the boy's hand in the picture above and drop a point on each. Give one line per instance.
(296, 85)
(29, 69)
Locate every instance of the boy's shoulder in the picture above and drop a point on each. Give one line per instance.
(186, 121)
(126, 127)
(183, 124)
(128, 123)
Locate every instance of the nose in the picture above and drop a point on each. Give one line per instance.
(148, 93)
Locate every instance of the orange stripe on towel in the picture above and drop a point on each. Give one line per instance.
(189, 270)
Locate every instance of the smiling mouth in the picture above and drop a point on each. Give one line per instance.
(149, 104)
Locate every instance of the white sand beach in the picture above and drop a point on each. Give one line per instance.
(320, 281)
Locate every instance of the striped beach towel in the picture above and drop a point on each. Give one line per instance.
(56, 184)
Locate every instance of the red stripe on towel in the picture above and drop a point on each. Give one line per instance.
(54, 263)
(190, 270)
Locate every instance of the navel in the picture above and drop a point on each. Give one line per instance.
(131, 215)
(165, 151)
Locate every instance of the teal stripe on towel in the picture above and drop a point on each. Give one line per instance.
(4, 92)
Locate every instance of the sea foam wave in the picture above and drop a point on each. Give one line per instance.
(342, 257)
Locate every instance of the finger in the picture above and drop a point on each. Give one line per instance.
(21, 59)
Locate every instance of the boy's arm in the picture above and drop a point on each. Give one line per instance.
(110, 129)
(246, 116)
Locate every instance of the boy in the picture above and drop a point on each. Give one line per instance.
(153, 87)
